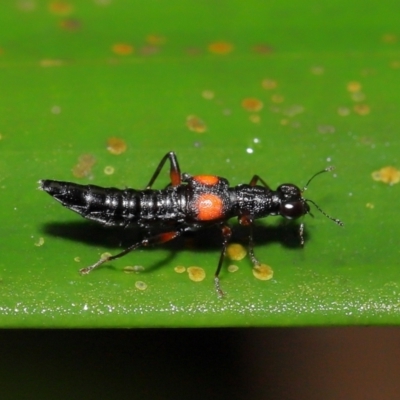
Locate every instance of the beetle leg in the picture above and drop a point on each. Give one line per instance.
(153, 240)
(248, 221)
(226, 235)
(253, 258)
(174, 172)
(255, 179)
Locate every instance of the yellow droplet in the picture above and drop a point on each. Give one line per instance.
(389, 38)
(208, 94)
(116, 146)
(255, 118)
(86, 159)
(233, 268)
(179, 269)
(236, 251)
(220, 47)
(362, 109)
(370, 205)
(122, 49)
(395, 64)
(263, 272)
(354, 86)
(389, 175)
(196, 274)
(80, 172)
(155, 40)
(140, 285)
(277, 98)
(40, 242)
(84, 166)
(195, 124)
(109, 170)
(60, 8)
(269, 84)
(252, 104)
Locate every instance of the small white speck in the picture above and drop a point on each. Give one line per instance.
(350, 194)
(249, 150)
(328, 159)
(228, 160)
(85, 307)
(256, 140)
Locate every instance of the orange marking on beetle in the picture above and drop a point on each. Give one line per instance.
(175, 178)
(209, 207)
(206, 179)
(167, 236)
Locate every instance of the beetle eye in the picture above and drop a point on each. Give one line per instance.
(293, 210)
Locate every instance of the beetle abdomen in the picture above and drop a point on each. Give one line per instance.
(120, 207)
(109, 206)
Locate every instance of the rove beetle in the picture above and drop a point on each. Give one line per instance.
(187, 203)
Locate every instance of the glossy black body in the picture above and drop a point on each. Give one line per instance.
(174, 205)
(188, 203)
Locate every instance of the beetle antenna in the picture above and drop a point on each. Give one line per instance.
(337, 221)
(327, 169)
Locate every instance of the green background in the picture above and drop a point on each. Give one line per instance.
(64, 92)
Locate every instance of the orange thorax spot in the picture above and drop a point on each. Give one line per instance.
(209, 207)
(206, 179)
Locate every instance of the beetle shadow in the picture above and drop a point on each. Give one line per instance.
(204, 240)
(116, 239)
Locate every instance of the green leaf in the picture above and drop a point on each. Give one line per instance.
(76, 74)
